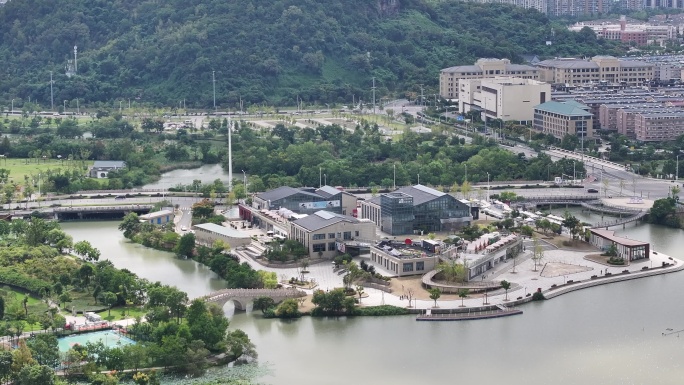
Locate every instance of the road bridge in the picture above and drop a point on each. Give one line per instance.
(621, 221)
(243, 297)
(97, 212)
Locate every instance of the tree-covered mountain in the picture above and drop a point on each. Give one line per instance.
(271, 51)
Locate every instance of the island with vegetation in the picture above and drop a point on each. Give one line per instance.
(45, 277)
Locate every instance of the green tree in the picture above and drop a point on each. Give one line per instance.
(435, 294)
(36, 375)
(289, 308)
(44, 349)
(463, 293)
(452, 271)
(87, 251)
(263, 304)
(130, 225)
(109, 299)
(537, 252)
(506, 286)
(186, 245)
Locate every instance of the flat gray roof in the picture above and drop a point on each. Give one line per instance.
(222, 230)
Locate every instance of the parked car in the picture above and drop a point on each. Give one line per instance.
(119, 197)
(592, 190)
(183, 228)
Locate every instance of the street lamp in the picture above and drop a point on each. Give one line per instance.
(548, 172)
(64, 106)
(244, 180)
(677, 170)
(12, 106)
(573, 172)
(487, 187)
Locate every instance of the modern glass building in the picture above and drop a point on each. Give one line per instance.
(419, 208)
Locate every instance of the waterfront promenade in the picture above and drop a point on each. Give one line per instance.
(552, 276)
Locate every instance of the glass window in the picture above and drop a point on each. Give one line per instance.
(356, 233)
(331, 235)
(420, 266)
(408, 267)
(331, 246)
(318, 247)
(318, 236)
(347, 235)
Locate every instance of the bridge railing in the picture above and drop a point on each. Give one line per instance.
(101, 208)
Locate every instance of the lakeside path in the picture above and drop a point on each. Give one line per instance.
(557, 268)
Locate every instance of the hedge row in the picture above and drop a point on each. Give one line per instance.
(11, 277)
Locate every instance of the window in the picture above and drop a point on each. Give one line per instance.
(318, 236)
(331, 246)
(420, 266)
(318, 247)
(331, 235)
(408, 267)
(347, 235)
(356, 233)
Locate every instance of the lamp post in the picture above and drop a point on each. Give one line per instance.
(213, 81)
(394, 183)
(573, 172)
(487, 187)
(12, 106)
(244, 180)
(325, 179)
(548, 173)
(677, 170)
(64, 106)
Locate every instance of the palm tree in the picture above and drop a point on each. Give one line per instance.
(505, 285)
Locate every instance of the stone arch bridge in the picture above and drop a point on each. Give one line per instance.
(243, 297)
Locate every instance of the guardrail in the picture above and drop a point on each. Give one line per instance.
(101, 208)
(591, 158)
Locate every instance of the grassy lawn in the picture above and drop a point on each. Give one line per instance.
(131, 312)
(19, 168)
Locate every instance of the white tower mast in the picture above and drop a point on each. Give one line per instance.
(230, 155)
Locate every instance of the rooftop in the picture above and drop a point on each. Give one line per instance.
(109, 164)
(610, 235)
(156, 214)
(321, 219)
(222, 230)
(420, 193)
(568, 108)
(283, 192)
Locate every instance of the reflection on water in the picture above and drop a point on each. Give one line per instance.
(207, 174)
(605, 335)
(193, 278)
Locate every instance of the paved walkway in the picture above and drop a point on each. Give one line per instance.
(524, 280)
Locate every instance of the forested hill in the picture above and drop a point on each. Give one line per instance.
(269, 51)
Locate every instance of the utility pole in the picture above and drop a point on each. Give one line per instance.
(422, 98)
(677, 170)
(213, 81)
(230, 155)
(373, 95)
(320, 177)
(52, 99)
(395, 177)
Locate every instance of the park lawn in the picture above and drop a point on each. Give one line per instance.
(19, 168)
(131, 312)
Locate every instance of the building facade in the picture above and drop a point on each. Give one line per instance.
(158, 217)
(208, 233)
(503, 98)
(102, 168)
(324, 233)
(563, 118)
(658, 127)
(406, 258)
(485, 68)
(627, 249)
(600, 69)
(415, 209)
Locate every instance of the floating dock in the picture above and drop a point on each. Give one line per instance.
(501, 311)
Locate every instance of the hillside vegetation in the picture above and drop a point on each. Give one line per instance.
(270, 52)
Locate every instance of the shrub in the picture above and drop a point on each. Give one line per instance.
(538, 296)
(380, 311)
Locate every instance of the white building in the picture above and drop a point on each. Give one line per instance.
(158, 217)
(207, 233)
(324, 233)
(505, 98)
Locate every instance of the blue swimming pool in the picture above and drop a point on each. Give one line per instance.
(109, 337)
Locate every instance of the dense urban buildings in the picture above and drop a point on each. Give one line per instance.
(505, 98)
(638, 33)
(563, 118)
(485, 68)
